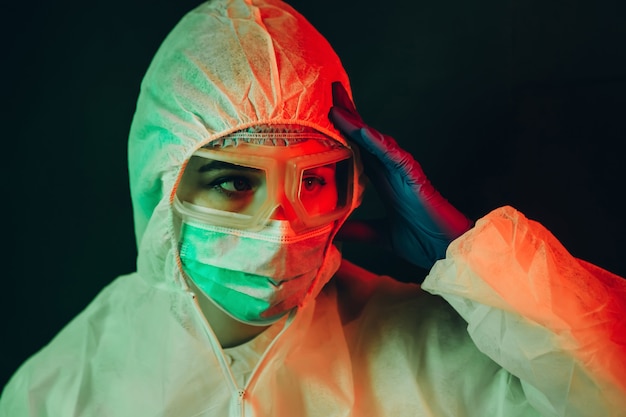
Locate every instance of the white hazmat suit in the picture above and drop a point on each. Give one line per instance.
(509, 323)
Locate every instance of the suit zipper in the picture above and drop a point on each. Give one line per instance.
(239, 393)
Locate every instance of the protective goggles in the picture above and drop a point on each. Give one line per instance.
(310, 184)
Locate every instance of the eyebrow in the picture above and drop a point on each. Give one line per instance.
(217, 165)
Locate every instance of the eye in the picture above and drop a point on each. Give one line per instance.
(313, 182)
(231, 185)
(236, 184)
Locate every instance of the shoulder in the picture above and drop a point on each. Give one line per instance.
(362, 293)
(383, 316)
(43, 382)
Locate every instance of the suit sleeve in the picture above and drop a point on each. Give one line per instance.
(554, 321)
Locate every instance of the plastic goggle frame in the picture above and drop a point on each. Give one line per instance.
(283, 182)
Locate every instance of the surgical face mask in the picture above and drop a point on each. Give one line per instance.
(255, 277)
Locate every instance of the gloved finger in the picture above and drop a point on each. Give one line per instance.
(344, 114)
(345, 117)
(378, 152)
(342, 99)
(383, 147)
(387, 150)
(347, 122)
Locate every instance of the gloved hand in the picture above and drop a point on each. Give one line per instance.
(420, 223)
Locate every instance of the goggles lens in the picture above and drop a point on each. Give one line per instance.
(245, 186)
(324, 189)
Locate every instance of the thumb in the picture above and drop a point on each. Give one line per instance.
(342, 99)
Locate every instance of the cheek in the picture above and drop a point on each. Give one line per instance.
(328, 199)
(322, 203)
(189, 190)
(188, 184)
(184, 192)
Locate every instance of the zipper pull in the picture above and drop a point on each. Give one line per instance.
(240, 396)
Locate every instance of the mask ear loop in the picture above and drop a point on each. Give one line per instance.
(176, 223)
(331, 261)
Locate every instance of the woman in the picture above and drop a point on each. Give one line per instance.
(241, 304)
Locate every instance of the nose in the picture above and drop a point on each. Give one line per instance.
(284, 211)
(279, 214)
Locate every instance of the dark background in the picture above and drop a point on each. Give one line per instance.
(518, 102)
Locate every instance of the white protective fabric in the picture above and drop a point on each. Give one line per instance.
(537, 331)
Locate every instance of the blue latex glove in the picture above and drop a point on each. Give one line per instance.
(420, 223)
